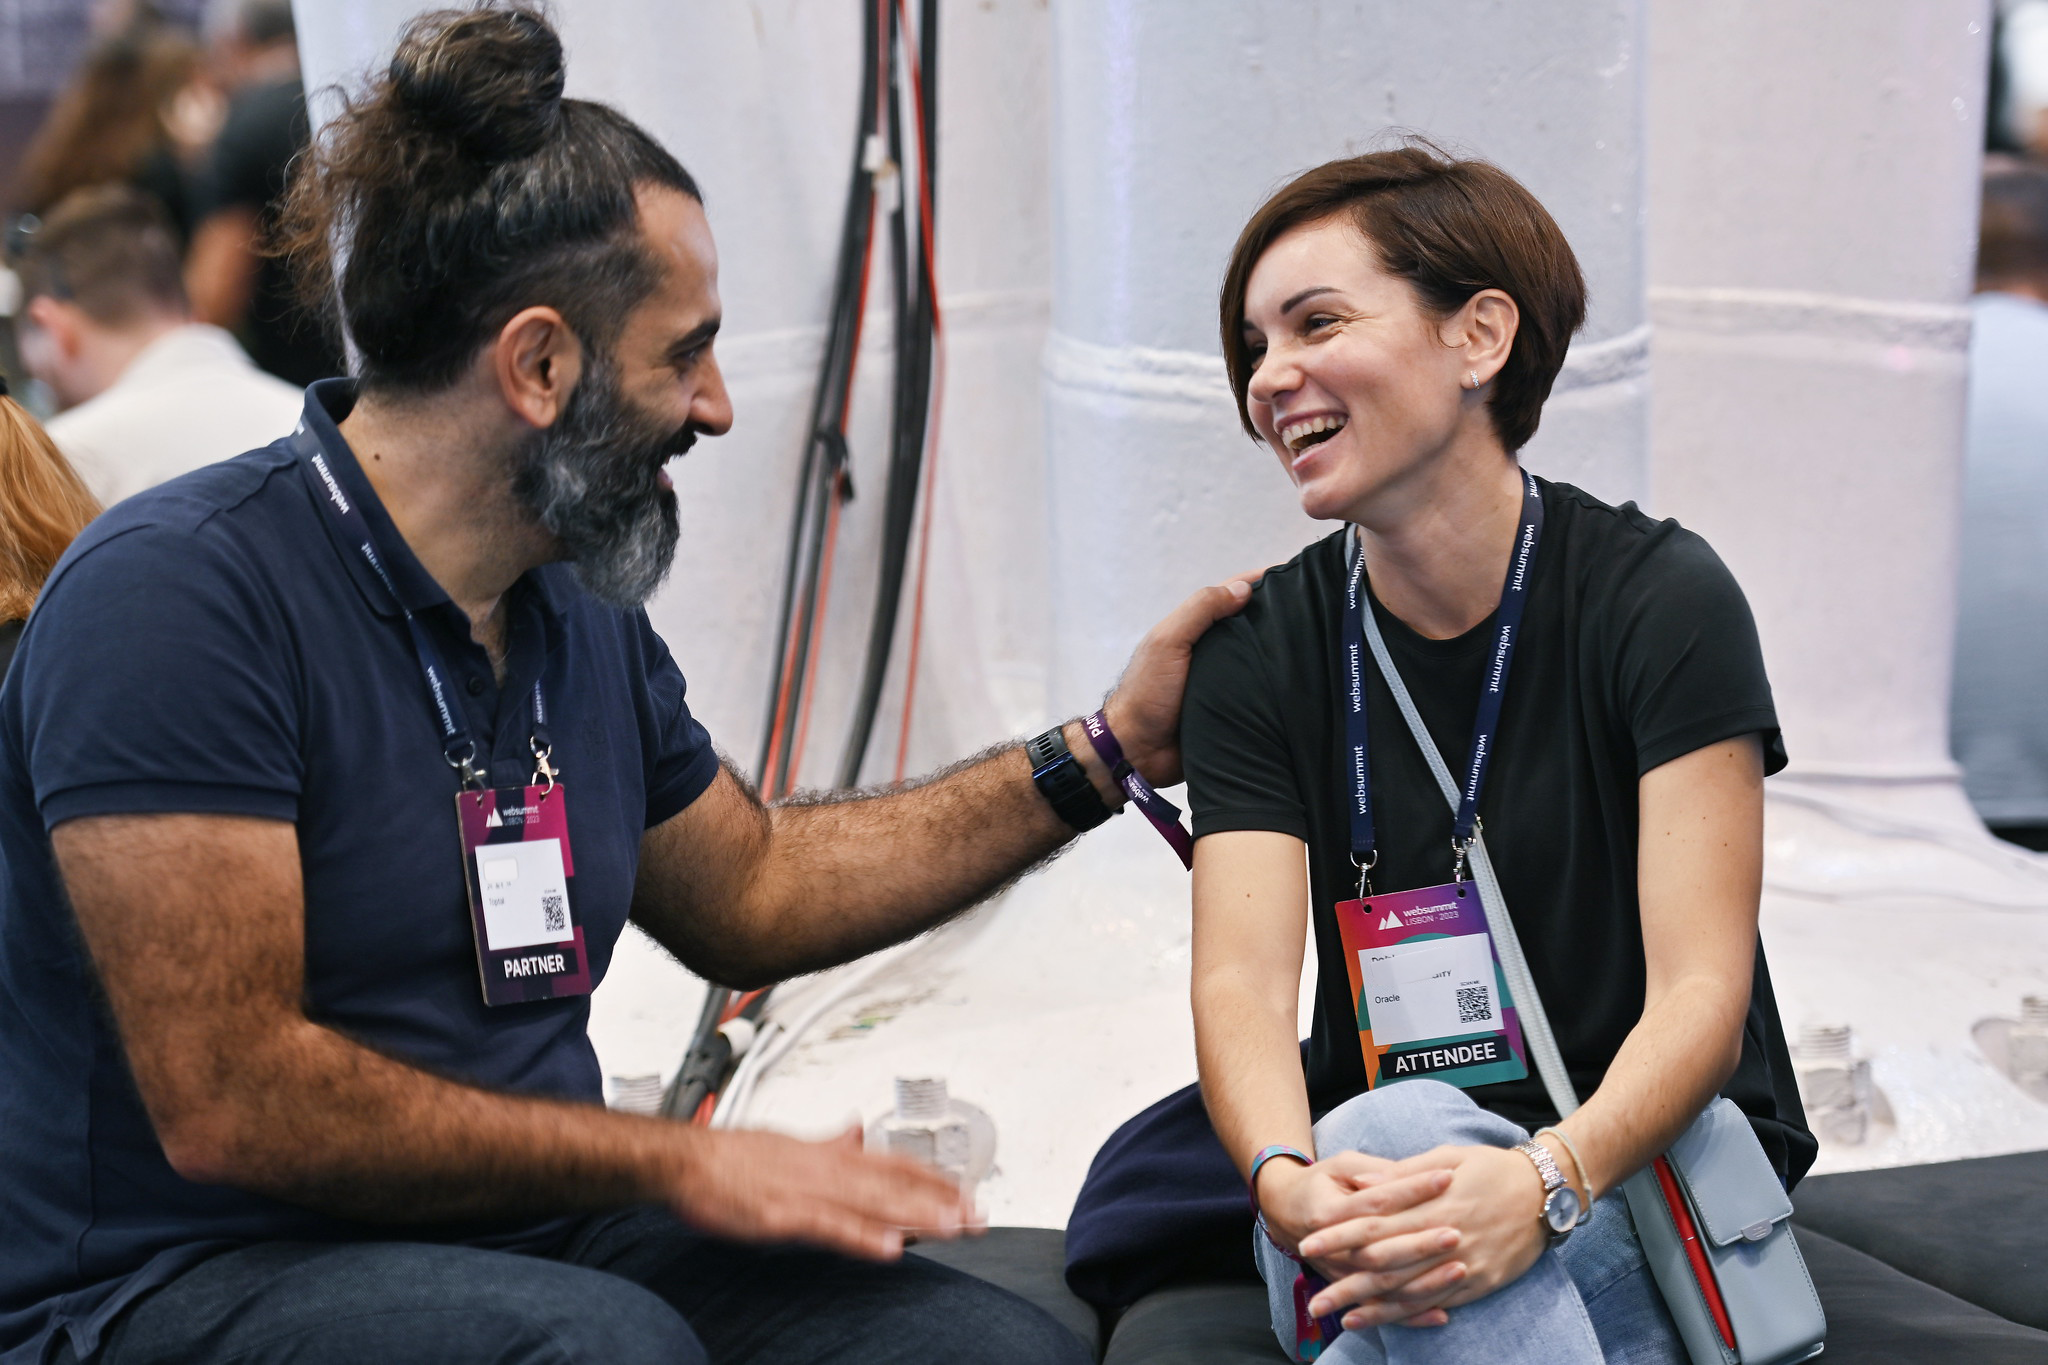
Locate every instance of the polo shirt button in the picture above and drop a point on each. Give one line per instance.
(476, 686)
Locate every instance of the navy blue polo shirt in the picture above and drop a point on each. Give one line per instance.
(214, 646)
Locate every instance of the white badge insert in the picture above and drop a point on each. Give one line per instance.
(1438, 988)
(525, 893)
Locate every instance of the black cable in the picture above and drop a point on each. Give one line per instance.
(707, 1066)
(824, 471)
(685, 1092)
(911, 410)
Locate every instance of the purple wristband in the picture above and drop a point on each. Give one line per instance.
(1164, 815)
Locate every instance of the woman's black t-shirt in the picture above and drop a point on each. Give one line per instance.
(1637, 648)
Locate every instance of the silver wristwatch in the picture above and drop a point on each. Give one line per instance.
(1562, 1207)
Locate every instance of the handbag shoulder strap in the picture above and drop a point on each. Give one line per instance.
(1513, 965)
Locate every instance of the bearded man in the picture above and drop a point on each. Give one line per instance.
(333, 772)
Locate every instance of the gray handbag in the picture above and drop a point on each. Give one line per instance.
(1714, 1222)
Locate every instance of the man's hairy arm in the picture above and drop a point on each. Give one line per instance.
(810, 883)
(195, 924)
(748, 894)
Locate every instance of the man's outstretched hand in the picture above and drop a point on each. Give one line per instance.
(756, 1186)
(1144, 710)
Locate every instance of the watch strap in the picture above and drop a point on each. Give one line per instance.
(1573, 1148)
(1063, 782)
(1546, 1164)
(1555, 1188)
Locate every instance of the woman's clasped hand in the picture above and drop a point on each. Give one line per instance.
(1402, 1241)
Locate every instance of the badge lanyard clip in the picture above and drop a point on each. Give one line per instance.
(466, 769)
(543, 748)
(1365, 867)
(1462, 848)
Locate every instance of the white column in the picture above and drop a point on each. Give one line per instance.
(1813, 221)
(1172, 121)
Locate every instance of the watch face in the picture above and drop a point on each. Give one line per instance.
(1562, 1209)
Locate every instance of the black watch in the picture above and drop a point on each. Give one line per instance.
(1064, 782)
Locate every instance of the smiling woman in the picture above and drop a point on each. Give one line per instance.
(1449, 230)
(1392, 324)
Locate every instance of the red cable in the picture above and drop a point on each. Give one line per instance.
(781, 706)
(803, 715)
(931, 459)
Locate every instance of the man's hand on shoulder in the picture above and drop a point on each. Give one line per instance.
(1144, 710)
(731, 887)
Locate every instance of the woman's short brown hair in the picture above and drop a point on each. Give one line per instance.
(1450, 228)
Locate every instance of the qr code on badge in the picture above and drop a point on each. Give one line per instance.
(554, 912)
(1475, 1004)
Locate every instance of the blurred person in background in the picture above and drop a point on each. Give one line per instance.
(118, 122)
(147, 392)
(2017, 102)
(1998, 720)
(43, 507)
(232, 282)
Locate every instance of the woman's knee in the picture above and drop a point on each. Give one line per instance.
(1410, 1117)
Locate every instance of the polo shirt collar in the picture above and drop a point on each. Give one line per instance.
(328, 402)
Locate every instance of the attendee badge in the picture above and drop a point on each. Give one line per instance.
(515, 853)
(1431, 998)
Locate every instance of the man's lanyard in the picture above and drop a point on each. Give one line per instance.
(457, 746)
(1514, 597)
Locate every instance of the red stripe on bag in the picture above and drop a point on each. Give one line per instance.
(1689, 1236)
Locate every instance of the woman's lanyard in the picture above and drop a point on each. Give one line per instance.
(456, 744)
(1514, 597)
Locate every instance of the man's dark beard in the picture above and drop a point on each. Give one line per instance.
(592, 480)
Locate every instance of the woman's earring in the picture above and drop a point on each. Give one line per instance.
(1472, 379)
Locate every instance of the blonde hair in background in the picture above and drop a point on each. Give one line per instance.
(43, 507)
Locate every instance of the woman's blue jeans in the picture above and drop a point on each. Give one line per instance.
(1591, 1300)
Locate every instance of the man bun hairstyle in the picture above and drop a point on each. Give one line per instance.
(491, 81)
(1450, 228)
(462, 187)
